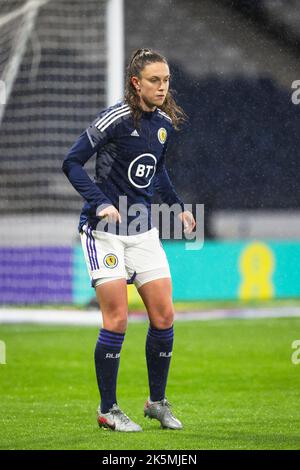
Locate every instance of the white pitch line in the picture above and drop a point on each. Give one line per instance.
(246, 313)
(94, 318)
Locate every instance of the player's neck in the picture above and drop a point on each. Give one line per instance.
(147, 107)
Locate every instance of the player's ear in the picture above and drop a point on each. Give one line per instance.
(136, 83)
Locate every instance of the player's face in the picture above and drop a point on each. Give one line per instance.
(153, 85)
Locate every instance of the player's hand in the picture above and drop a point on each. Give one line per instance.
(111, 213)
(188, 221)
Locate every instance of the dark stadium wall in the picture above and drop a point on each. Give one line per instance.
(239, 149)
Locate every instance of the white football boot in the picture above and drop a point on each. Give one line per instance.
(161, 410)
(116, 420)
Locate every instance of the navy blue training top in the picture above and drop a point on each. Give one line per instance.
(129, 162)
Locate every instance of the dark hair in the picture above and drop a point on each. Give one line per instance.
(138, 61)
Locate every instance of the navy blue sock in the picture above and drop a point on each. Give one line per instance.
(107, 360)
(159, 345)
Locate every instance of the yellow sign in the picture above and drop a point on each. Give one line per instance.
(256, 265)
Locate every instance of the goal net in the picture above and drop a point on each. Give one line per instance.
(53, 81)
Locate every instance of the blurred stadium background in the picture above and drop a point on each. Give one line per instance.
(233, 66)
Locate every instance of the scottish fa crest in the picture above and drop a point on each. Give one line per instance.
(110, 260)
(162, 135)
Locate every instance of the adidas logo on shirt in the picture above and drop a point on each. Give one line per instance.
(135, 133)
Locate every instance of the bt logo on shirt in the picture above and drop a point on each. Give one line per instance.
(142, 169)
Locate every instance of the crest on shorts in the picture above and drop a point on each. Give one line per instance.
(110, 260)
(162, 135)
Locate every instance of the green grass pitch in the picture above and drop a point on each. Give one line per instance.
(232, 383)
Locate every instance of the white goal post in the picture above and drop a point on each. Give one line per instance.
(115, 51)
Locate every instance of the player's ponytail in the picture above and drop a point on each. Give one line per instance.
(139, 59)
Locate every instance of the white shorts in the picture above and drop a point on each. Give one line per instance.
(137, 258)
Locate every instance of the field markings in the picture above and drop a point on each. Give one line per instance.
(93, 317)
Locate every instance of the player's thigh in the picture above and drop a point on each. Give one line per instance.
(113, 303)
(157, 297)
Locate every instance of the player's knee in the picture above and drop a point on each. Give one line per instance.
(119, 326)
(165, 319)
(115, 319)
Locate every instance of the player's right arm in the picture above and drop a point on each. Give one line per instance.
(81, 151)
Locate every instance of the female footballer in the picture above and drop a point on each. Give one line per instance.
(130, 141)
